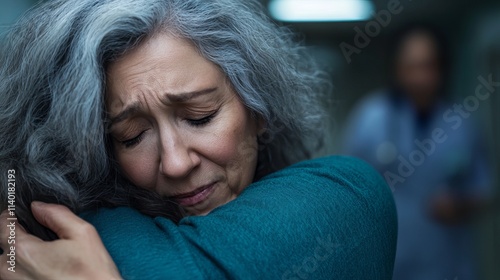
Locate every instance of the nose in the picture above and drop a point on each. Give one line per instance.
(177, 158)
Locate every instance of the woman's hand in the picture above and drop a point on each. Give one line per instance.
(78, 254)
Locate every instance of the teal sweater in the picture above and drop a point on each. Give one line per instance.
(328, 218)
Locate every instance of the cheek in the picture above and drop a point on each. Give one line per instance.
(230, 148)
(140, 167)
(234, 148)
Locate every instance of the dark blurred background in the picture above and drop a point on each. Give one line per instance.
(472, 29)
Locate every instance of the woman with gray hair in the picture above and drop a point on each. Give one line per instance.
(171, 127)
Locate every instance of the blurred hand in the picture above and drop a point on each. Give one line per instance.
(452, 210)
(443, 209)
(78, 254)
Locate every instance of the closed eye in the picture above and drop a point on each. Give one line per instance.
(129, 143)
(203, 121)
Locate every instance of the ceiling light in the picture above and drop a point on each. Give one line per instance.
(321, 10)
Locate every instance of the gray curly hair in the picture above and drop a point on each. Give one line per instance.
(52, 87)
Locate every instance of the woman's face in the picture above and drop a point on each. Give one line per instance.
(178, 127)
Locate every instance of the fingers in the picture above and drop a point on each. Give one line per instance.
(9, 228)
(59, 219)
(11, 235)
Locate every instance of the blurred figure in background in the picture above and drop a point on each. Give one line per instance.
(432, 155)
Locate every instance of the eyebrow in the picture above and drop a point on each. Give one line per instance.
(126, 113)
(186, 96)
(173, 98)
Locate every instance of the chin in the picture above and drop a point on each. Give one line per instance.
(201, 209)
(206, 207)
(198, 212)
(203, 213)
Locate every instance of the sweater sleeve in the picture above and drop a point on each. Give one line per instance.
(328, 218)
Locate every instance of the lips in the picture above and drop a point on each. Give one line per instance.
(197, 196)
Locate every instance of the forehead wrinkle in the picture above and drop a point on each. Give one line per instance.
(144, 80)
(184, 97)
(138, 104)
(125, 113)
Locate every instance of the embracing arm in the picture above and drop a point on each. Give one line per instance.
(324, 218)
(77, 254)
(320, 219)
